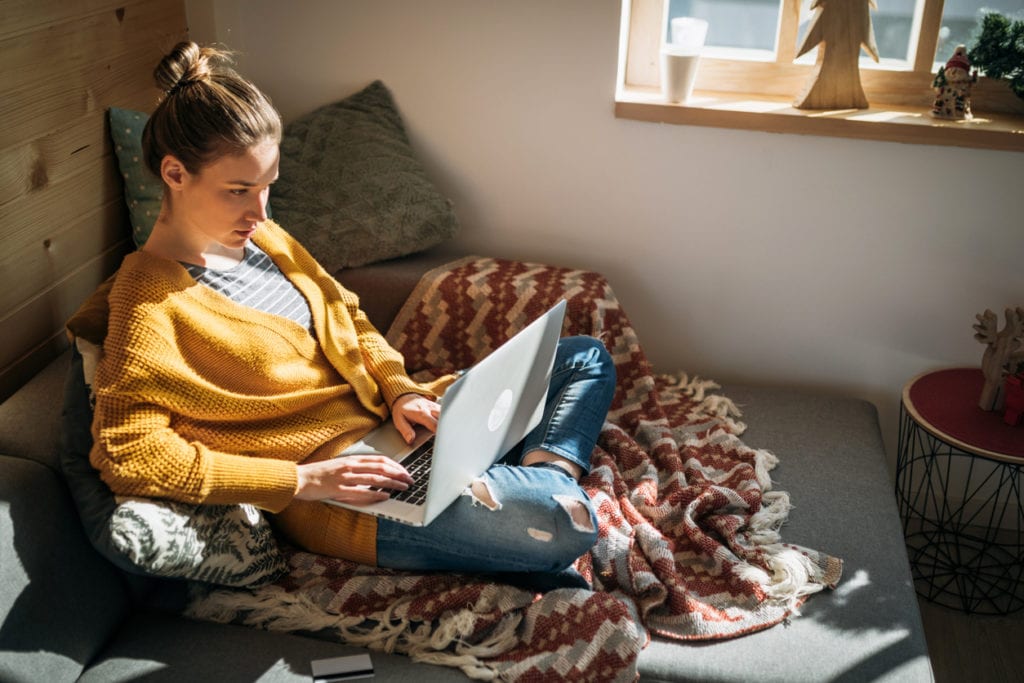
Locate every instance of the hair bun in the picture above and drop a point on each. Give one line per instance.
(186, 64)
(208, 110)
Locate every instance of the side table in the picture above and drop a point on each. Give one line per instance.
(960, 492)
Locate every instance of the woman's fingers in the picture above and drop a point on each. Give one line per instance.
(360, 496)
(410, 409)
(376, 470)
(347, 478)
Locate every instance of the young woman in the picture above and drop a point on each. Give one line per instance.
(235, 368)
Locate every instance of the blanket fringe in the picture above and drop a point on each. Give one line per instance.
(708, 404)
(764, 525)
(764, 463)
(275, 609)
(695, 388)
(791, 575)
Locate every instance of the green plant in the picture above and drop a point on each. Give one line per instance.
(999, 50)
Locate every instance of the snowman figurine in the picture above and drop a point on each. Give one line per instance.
(953, 87)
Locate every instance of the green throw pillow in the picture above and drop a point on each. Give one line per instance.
(350, 188)
(143, 192)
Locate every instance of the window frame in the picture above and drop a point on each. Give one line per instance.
(758, 94)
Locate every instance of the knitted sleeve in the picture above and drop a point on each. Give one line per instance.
(138, 453)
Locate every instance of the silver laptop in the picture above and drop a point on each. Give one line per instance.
(484, 413)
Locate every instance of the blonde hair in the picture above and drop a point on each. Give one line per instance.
(207, 111)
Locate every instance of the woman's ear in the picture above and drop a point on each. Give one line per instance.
(173, 172)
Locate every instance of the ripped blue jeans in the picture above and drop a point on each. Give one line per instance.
(519, 521)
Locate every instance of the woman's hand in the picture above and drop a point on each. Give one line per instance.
(345, 479)
(410, 409)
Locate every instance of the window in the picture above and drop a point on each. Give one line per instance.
(742, 24)
(749, 66)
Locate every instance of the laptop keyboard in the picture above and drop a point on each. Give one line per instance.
(418, 465)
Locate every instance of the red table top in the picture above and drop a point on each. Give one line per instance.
(945, 402)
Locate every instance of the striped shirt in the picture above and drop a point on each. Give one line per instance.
(257, 282)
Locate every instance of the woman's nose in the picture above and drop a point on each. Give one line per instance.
(259, 207)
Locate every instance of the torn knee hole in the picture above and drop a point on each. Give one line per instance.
(577, 511)
(482, 495)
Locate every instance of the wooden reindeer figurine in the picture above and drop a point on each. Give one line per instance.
(843, 26)
(1005, 350)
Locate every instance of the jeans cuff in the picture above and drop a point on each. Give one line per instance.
(547, 465)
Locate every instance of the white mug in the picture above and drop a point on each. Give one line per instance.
(681, 57)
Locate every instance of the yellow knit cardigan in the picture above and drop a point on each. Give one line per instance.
(202, 400)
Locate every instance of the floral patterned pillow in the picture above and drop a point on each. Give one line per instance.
(228, 545)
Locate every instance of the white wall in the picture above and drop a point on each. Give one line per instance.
(842, 265)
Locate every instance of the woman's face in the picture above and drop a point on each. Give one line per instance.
(227, 198)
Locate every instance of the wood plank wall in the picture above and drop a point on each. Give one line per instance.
(63, 225)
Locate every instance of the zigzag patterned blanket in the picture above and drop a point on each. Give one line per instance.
(689, 547)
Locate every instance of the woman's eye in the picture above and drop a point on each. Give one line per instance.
(238, 192)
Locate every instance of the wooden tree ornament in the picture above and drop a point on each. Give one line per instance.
(1004, 352)
(841, 27)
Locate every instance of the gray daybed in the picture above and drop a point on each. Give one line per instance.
(68, 614)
